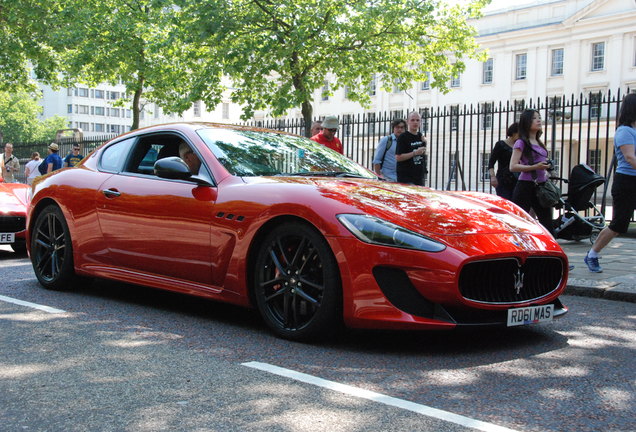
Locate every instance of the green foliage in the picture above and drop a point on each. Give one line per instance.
(24, 45)
(19, 119)
(279, 54)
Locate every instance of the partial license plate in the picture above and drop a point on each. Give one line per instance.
(530, 315)
(7, 237)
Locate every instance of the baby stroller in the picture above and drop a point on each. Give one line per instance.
(569, 224)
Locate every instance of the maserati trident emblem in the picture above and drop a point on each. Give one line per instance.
(518, 282)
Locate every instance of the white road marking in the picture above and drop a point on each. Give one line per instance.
(380, 398)
(31, 305)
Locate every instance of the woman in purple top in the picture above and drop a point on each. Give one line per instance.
(529, 148)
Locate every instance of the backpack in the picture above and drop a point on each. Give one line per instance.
(389, 143)
(42, 167)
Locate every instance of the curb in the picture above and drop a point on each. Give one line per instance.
(607, 292)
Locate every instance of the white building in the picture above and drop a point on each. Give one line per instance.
(536, 49)
(92, 109)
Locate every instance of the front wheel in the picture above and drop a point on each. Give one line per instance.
(297, 283)
(51, 250)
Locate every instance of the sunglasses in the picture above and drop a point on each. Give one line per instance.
(332, 130)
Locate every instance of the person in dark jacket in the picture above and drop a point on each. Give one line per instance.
(505, 181)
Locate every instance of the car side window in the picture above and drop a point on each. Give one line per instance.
(114, 157)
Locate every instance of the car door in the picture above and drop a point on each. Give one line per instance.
(155, 225)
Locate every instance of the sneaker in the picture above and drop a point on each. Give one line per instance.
(593, 265)
(571, 267)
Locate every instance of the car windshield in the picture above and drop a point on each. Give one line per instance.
(259, 153)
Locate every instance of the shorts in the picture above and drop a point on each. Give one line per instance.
(624, 196)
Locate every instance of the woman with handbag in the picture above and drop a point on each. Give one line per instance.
(530, 158)
(505, 181)
(624, 185)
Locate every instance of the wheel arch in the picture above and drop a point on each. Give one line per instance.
(35, 212)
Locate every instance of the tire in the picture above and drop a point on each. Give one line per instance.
(297, 284)
(51, 250)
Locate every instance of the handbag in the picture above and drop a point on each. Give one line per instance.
(548, 194)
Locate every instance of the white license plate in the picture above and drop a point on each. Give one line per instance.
(530, 315)
(7, 237)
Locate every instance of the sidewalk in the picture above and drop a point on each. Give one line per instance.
(618, 280)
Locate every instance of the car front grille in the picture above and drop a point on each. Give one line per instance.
(509, 280)
(12, 224)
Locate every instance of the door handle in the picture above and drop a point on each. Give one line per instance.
(110, 193)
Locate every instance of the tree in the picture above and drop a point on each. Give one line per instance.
(143, 44)
(24, 48)
(279, 54)
(19, 119)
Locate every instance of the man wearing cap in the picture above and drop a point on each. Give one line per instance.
(11, 164)
(53, 161)
(328, 135)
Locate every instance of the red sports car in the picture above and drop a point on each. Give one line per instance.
(13, 207)
(305, 235)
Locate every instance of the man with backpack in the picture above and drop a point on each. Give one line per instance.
(384, 163)
(52, 162)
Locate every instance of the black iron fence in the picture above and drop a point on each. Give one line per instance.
(578, 129)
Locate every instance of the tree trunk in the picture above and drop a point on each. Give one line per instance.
(307, 111)
(136, 106)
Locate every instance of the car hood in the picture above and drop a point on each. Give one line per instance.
(423, 209)
(13, 197)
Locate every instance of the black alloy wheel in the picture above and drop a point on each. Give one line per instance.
(51, 250)
(297, 283)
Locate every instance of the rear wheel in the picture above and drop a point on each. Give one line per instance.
(297, 283)
(51, 250)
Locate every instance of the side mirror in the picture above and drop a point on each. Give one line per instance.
(172, 167)
(175, 168)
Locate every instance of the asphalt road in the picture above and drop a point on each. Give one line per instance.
(125, 358)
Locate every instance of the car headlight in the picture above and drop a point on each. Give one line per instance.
(373, 230)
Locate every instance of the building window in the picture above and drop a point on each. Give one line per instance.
(347, 122)
(99, 111)
(371, 124)
(83, 109)
(454, 117)
(113, 95)
(556, 68)
(82, 91)
(373, 86)
(99, 127)
(226, 110)
(598, 56)
(70, 91)
(396, 85)
(425, 114)
(521, 66)
(196, 109)
(84, 126)
(487, 72)
(485, 174)
(114, 128)
(347, 91)
(397, 114)
(99, 94)
(520, 105)
(594, 159)
(128, 113)
(69, 108)
(456, 81)
(426, 85)
(325, 91)
(595, 105)
(156, 112)
(114, 112)
(486, 115)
